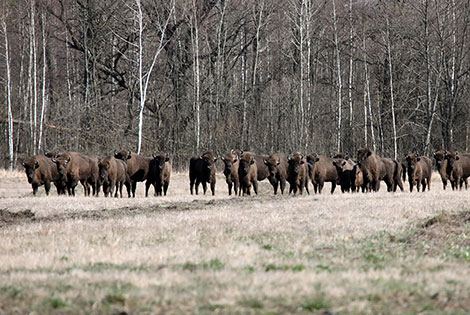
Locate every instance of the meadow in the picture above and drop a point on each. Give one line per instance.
(342, 253)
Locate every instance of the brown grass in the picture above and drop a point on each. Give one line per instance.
(352, 253)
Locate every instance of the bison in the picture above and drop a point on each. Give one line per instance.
(395, 169)
(74, 167)
(137, 167)
(321, 170)
(346, 173)
(458, 169)
(113, 175)
(159, 174)
(202, 170)
(277, 166)
(248, 173)
(374, 169)
(40, 170)
(297, 174)
(231, 164)
(419, 169)
(441, 165)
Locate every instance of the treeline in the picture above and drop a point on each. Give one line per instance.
(184, 76)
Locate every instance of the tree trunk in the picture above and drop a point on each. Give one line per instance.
(8, 92)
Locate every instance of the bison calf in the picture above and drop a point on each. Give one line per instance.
(419, 169)
(248, 173)
(297, 174)
(277, 168)
(159, 174)
(202, 170)
(231, 164)
(112, 176)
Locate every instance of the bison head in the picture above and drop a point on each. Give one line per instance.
(272, 164)
(246, 160)
(209, 160)
(363, 154)
(229, 160)
(123, 155)
(62, 161)
(295, 163)
(160, 159)
(451, 158)
(411, 160)
(30, 169)
(103, 166)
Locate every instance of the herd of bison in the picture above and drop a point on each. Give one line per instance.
(243, 170)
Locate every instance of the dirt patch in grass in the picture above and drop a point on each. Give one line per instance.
(7, 217)
(26, 216)
(442, 232)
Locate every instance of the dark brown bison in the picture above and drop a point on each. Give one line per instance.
(74, 167)
(458, 169)
(358, 179)
(396, 170)
(419, 169)
(346, 173)
(40, 170)
(113, 176)
(231, 163)
(248, 173)
(137, 167)
(321, 170)
(441, 165)
(297, 174)
(263, 171)
(202, 170)
(277, 167)
(374, 169)
(159, 174)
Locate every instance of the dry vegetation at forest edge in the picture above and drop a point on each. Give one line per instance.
(352, 253)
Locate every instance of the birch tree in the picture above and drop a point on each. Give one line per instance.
(144, 76)
(340, 83)
(8, 91)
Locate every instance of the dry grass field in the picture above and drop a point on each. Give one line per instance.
(341, 253)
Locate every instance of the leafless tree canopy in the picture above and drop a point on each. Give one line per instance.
(260, 75)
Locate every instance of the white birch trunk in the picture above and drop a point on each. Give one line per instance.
(369, 103)
(197, 105)
(34, 77)
(43, 98)
(144, 79)
(392, 99)
(350, 87)
(8, 89)
(340, 83)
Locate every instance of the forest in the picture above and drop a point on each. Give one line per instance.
(186, 76)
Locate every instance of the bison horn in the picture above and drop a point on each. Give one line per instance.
(115, 152)
(154, 155)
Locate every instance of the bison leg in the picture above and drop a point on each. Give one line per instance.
(134, 186)
(306, 187)
(283, 186)
(423, 183)
(165, 187)
(196, 187)
(128, 187)
(47, 187)
(191, 185)
(213, 188)
(35, 188)
(229, 185)
(204, 186)
(147, 186)
(275, 186)
(255, 187)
